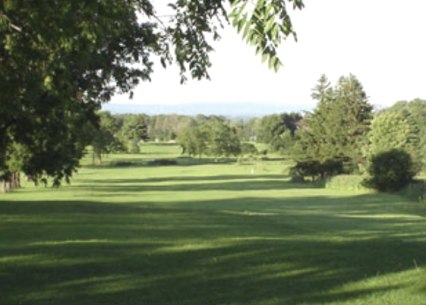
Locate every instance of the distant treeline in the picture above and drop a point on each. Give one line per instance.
(344, 126)
(124, 132)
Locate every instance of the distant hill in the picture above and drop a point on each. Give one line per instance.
(235, 110)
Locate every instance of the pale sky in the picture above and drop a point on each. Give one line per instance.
(382, 42)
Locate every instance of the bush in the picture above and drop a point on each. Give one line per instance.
(391, 170)
(316, 170)
(305, 169)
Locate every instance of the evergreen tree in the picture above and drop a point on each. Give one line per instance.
(337, 129)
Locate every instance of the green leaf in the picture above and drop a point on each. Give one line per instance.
(246, 31)
(269, 24)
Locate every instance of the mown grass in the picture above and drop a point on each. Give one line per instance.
(216, 233)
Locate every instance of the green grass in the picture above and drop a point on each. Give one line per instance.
(215, 233)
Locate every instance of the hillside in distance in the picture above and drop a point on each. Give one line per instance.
(229, 109)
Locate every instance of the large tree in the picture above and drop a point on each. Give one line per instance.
(336, 132)
(59, 60)
(213, 137)
(193, 139)
(222, 139)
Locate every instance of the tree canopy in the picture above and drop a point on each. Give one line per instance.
(212, 137)
(391, 129)
(336, 131)
(278, 130)
(59, 60)
(415, 111)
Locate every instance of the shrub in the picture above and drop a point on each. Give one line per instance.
(316, 170)
(305, 169)
(391, 170)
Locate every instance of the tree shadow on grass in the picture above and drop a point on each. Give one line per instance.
(185, 179)
(236, 251)
(236, 183)
(160, 162)
(182, 161)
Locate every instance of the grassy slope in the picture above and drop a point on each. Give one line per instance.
(208, 234)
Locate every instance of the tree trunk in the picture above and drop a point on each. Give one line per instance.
(5, 186)
(10, 181)
(15, 180)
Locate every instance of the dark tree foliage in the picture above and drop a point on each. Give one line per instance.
(104, 136)
(391, 170)
(59, 60)
(278, 130)
(337, 129)
(316, 170)
(65, 59)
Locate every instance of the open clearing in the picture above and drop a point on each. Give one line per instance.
(208, 233)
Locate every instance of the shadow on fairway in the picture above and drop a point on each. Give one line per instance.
(160, 162)
(177, 161)
(117, 187)
(185, 179)
(242, 251)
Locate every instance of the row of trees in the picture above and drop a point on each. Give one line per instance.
(200, 135)
(124, 133)
(267, 129)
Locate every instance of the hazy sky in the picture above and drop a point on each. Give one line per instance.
(382, 42)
